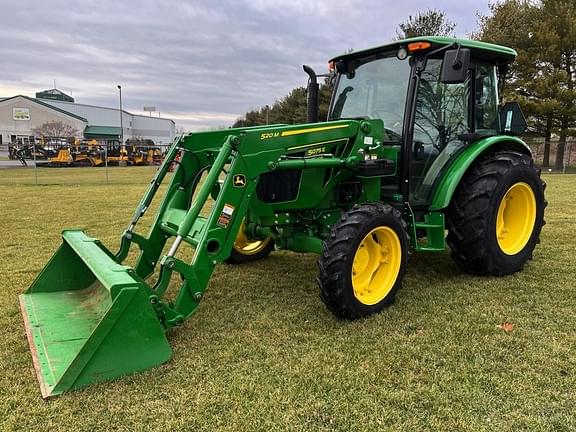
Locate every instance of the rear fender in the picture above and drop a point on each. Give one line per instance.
(456, 170)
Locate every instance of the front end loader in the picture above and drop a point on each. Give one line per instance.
(415, 144)
(63, 158)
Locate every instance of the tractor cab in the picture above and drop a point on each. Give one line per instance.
(435, 96)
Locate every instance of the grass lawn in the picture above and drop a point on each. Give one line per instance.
(263, 353)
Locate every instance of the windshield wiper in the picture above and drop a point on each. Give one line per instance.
(352, 118)
(341, 101)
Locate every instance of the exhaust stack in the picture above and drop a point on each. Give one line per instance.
(312, 101)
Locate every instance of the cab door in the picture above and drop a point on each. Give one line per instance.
(444, 113)
(441, 116)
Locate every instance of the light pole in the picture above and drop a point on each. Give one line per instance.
(121, 125)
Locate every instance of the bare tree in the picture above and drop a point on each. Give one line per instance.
(55, 129)
(432, 22)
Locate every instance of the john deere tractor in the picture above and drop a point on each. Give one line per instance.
(416, 144)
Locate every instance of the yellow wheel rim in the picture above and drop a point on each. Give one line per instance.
(247, 246)
(376, 265)
(515, 219)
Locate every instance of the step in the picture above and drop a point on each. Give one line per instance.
(171, 220)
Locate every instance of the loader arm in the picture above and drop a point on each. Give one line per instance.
(90, 318)
(247, 154)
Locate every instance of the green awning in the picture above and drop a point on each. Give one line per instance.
(102, 132)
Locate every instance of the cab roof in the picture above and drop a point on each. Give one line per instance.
(480, 50)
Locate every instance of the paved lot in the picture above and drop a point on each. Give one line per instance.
(12, 163)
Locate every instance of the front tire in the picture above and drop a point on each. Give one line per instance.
(496, 215)
(363, 261)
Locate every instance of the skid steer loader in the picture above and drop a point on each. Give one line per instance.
(416, 143)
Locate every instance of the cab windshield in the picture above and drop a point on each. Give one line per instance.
(375, 90)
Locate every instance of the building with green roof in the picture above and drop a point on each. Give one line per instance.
(21, 115)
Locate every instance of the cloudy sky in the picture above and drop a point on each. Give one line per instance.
(202, 63)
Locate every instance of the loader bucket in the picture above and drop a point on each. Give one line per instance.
(89, 319)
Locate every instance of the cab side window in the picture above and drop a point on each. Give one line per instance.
(485, 99)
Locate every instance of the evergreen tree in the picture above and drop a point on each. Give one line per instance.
(542, 79)
(555, 38)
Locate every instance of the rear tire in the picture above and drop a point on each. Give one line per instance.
(363, 261)
(496, 214)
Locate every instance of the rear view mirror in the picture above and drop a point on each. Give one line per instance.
(512, 121)
(419, 151)
(455, 66)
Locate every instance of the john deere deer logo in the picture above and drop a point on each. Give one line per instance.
(239, 180)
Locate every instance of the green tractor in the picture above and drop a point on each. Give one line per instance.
(416, 144)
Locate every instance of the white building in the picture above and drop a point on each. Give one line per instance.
(20, 115)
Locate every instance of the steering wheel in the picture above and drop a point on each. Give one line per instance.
(395, 118)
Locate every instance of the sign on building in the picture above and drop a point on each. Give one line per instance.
(21, 113)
